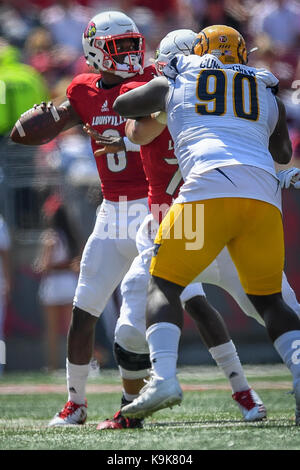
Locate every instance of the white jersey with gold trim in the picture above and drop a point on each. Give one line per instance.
(220, 115)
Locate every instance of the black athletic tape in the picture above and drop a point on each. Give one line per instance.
(129, 360)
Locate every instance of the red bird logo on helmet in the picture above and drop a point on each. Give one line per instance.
(90, 30)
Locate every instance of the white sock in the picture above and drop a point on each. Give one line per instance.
(133, 374)
(76, 381)
(228, 360)
(163, 339)
(288, 347)
(128, 396)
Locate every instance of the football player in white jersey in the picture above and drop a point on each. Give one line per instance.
(224, 119)
(130, 346)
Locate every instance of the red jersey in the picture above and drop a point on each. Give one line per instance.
(163, 174)
(121, 174)
(161, 169)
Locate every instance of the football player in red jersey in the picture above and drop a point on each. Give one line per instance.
(114, 47)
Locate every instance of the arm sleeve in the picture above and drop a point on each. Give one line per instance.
(170, 70)
(143, 100)
(273, 110)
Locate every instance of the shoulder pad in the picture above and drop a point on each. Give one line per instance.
(170, 70)
(267, 77)
(274, 89)
(79, 82)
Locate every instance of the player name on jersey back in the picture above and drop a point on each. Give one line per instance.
(212, 63)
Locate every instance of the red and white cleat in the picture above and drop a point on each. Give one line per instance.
(71, 414)
(250, 405)
(120, 422)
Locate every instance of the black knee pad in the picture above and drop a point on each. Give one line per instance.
(129, 360)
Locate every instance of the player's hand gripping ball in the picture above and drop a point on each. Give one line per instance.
(39, 124)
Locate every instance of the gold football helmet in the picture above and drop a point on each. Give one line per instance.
(224, 42)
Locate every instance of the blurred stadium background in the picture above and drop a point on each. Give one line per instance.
(40, 53)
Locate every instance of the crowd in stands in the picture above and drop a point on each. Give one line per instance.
(47, 35)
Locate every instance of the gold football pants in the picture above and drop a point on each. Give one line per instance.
(192, 235)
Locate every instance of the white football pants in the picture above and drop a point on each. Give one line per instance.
(108, 253)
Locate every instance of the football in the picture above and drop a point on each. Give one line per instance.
(37, 126)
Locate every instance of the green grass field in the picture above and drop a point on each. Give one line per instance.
(208, 418)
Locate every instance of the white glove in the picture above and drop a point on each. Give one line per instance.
(288, 177)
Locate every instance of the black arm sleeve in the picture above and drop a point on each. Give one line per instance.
(144, 100)
(280, 145)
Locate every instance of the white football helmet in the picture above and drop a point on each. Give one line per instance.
(179, 41)
(100, 47)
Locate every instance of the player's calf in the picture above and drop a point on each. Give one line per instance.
(81, 336)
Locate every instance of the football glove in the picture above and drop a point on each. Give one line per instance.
(289, 177)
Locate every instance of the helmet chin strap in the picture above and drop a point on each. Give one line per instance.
(126, 74)
(254, 49)
(123, 69)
